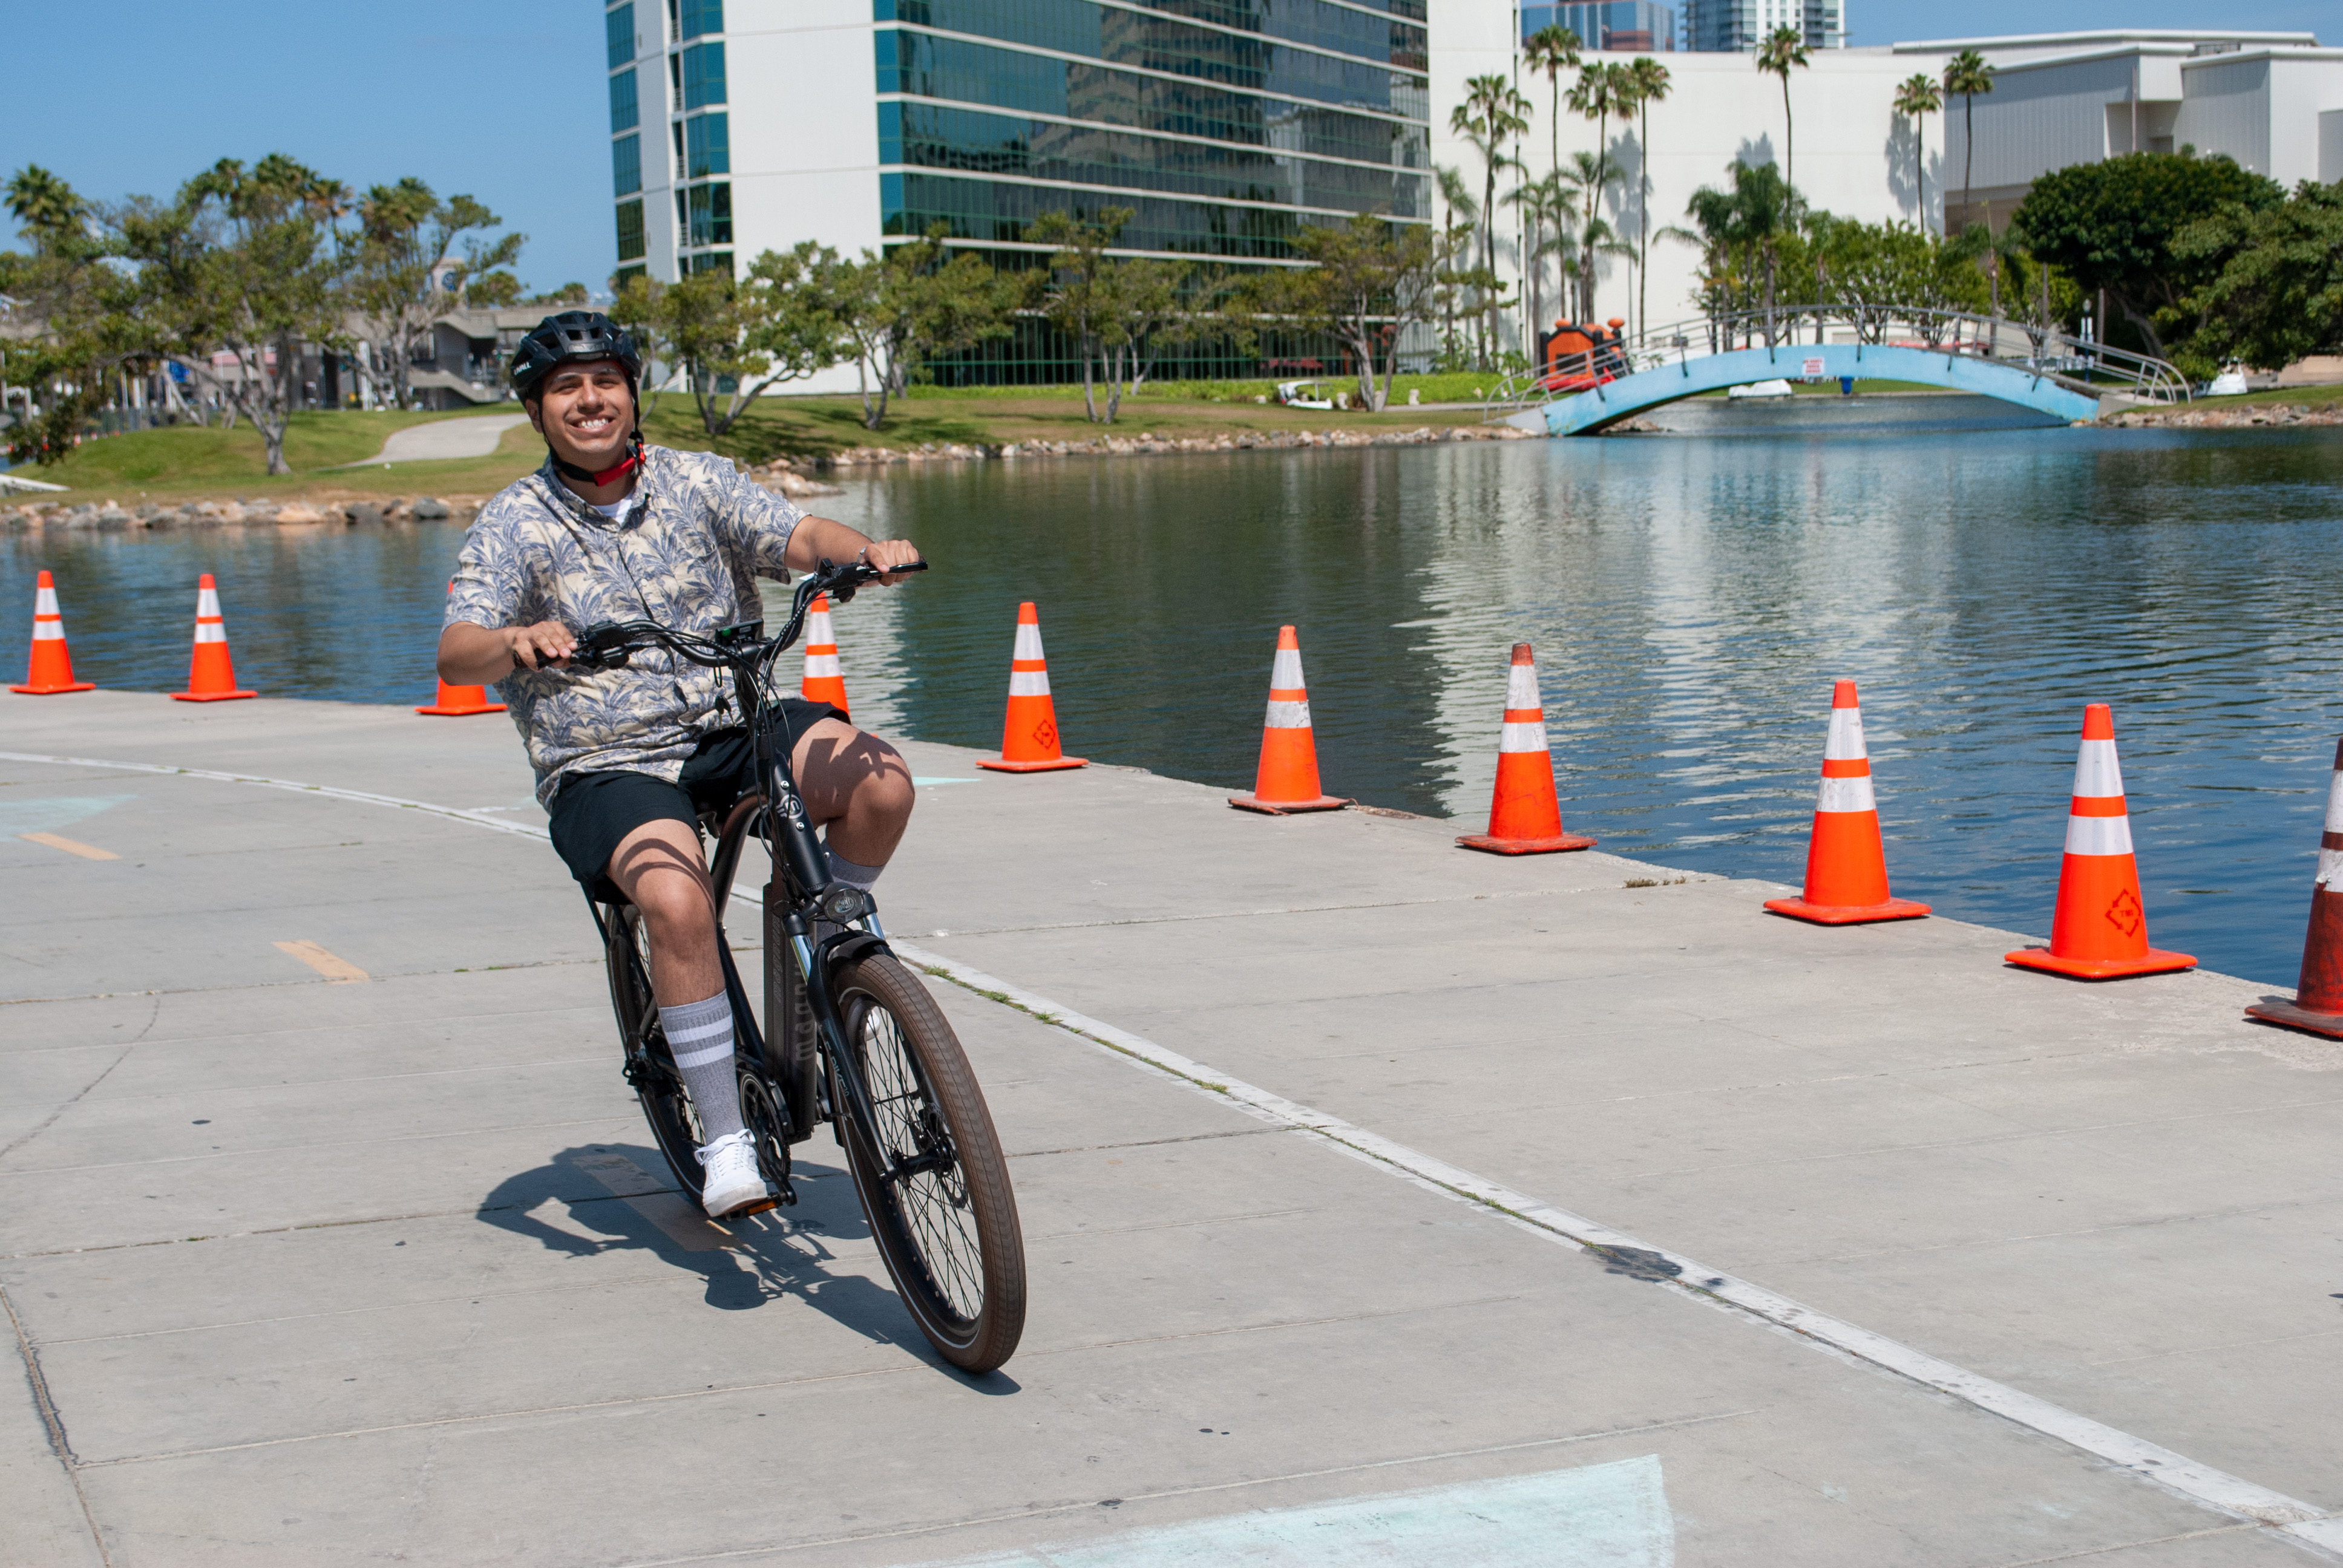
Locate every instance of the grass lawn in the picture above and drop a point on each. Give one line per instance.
(190, 461)
(2300, 396)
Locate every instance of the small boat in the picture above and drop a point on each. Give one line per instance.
(1777, 388)
(1303, 395)
(2229, 383)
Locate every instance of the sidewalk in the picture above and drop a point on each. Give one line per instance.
(315, 1272)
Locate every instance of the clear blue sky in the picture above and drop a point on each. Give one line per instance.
(503, 99)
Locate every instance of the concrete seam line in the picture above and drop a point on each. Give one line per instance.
(2175, 1473)
(2306, 1522)
(54, 1424)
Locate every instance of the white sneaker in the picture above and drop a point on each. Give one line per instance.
(733, 1181)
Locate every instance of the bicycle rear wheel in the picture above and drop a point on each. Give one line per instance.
(949, 1234)
(649, 1065)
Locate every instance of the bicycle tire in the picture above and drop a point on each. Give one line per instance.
(953, 1249)
(658, 1085)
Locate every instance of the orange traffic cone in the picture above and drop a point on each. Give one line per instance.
(1847, 868)
(461, 701)
(51, 671)
(211, 677)
(2099, 931)
(824, 680)
(1029, 734)
(1526, 814)
(1287, 778)
(2317, 1004)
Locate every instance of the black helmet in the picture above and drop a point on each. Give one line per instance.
(571, 337)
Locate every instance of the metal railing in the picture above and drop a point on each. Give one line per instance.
(2074, 362)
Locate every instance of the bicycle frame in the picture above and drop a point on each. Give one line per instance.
(777, 814)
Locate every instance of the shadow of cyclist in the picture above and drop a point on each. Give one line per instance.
(620, 1197)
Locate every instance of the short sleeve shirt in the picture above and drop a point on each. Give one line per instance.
(688, 556)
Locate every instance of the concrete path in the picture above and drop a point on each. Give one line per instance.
(444, 438)
(307, 1267)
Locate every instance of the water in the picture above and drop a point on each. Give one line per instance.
(1691, 601)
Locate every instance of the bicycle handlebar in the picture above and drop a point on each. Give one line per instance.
(611, 644)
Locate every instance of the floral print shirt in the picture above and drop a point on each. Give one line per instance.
(685, 554)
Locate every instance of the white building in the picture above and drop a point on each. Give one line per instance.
(2274, 101)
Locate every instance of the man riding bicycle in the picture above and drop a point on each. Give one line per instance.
(612, 530)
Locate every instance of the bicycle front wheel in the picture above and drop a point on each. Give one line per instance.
(948, 1231)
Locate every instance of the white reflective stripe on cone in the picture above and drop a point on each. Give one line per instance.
(2097, 771)
(2335, 803)
(1845, 742)
(210, 631)
(821, 664)
(2330, 865)
(1845, 795)
(1521, 686)
(1523, 738)
(45, 601)
(2098, 834)
(207, 603)
(48, 629)
(1022, 682)
(1288, 715)
(1028, 641)
(1285, 673)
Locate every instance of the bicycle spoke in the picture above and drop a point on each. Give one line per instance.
(933, 1204)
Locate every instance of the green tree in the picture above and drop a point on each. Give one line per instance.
(1741, 229)
(2278, 295)
(2111, 226)
(913, 303)
(72, 315)
(1549, 209)
(1493, 113)
(1604, 88)
(1551, 50)
(245, 263)
(1373, 280)
(1648, 80)
(397, 286)
(1966, 76)
(1916, 97)
(1784, 49)
(569, 294)
(491, 290)
(1075, 292)
(735, 341)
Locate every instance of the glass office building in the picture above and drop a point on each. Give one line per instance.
(1638, 26)
(1225, 126)
(1743, 24)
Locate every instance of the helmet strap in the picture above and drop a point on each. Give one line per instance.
(625, 466)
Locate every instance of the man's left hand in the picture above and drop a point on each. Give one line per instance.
(884, 553)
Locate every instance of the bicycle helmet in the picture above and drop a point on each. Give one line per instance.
(574, 337)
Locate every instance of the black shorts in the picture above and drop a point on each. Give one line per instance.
(593, 812)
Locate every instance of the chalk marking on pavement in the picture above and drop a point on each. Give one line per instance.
(336, 971)
(1021, 1514)
(2175, 1472)
(70, 846)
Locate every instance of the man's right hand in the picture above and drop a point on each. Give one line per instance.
(547, 643)
(475, 655)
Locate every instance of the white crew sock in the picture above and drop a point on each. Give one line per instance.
(852, 874)
(699, 1033)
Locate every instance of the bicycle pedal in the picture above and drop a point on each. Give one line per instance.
(758, 1207)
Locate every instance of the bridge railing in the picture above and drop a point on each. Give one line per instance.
(2091, 369)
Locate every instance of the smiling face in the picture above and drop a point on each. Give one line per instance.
(585, 412)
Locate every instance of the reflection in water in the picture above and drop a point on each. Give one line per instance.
(1691, 602)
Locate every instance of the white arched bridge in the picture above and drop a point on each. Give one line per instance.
(2032, 367)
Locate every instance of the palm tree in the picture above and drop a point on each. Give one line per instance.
(1748, 220)
(1602, 89)
(1966, 76)
(47, 206)
(1916, 97)
(1548, 206)
(1783, 49)
(1493, 109)
(1650, 80)
(1552, 50)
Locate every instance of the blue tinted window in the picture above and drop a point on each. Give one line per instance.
(620, 27)
(699, 16)
(630, 231)
(1131, 39)
(933, 137)
(703, 75)
(709, 215)
(1139, 38)
(623, 116)
(627, 166)
(991, 210)
(710, 147)
(932, 67)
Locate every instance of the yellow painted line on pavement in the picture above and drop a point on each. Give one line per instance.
(71, 847)
(339, 971)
